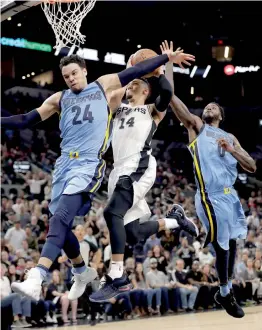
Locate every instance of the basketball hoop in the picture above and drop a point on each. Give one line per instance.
(65, 17)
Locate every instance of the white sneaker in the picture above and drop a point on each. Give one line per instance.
(80, 283)
(31, 287)
(49, 319)
(54, 319)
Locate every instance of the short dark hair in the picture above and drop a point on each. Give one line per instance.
(222, 111)
(148, 85)
(72, 59)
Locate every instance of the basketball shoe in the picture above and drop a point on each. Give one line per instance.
(229, 304)
(31, 287)
(177, 212)
(111, 289)
(80, 283)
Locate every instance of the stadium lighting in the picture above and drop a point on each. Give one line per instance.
(193, 71)
(32, 73)
(19, 24)
(138, 46)
(28, 75)
(71, 50)
(192, 90)
(9, 18)
(226, 53)
(206, 71)
(23, 77)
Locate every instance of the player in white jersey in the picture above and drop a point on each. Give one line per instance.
(133, 175)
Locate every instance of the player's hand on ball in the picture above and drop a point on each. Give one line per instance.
(223, 143)
(178, 57)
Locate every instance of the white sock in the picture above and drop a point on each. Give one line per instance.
(116, 269)
(171, 223)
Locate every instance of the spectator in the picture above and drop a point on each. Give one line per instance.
(253, 221)
(24, 216)
(151, 242)
(44, 207)
(158, 282)
(48, 191)
(20, 306)
(155, 280)
(12, 218)
(186, 252)
(205, 257)
(5, 258)
(31, 238)
(89, 236)
(250, 276)
(87, 247)
(35, 229)
(35, 186)
(57, 295)
(13, 275)
(161, 259)
(17, 206)
(258, 270)
(188, 292)
(249, 244)
(16, 235)
(168, 240)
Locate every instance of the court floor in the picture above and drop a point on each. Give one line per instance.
(214, 320)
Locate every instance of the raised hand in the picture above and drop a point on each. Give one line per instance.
(178, 56)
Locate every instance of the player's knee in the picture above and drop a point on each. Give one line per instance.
(120, 202)
(58, 228)
(61, 218)
(110, 214)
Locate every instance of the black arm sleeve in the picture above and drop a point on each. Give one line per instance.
(165, 94)
(142, 68)
(21, 121)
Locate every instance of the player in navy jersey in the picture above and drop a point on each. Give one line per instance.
(215, 156)
(85, 124)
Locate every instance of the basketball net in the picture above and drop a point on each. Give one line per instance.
(65, 17)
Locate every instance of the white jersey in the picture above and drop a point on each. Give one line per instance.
(133, 129)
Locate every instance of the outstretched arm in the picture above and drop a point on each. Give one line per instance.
(181, 111)
(116, 96)
(158, 109)
(244, 159)
(116, 81)
(46, 110)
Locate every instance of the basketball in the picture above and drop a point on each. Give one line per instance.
(142, 55)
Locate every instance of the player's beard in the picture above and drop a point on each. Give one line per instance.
(209, 119)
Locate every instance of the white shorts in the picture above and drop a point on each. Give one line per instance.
(141, 187)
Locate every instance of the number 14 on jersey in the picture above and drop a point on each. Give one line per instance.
(129, 123)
